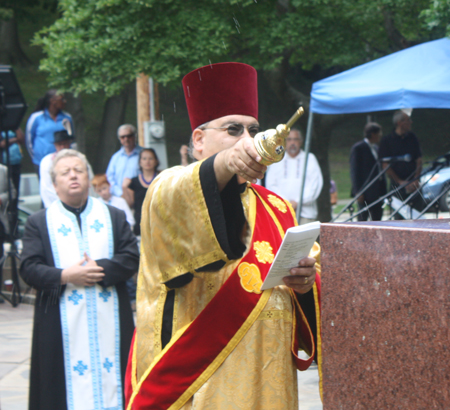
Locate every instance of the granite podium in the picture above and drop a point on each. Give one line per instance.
(386, 315)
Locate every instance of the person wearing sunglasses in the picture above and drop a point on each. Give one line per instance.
(207, 336)
(125, 162)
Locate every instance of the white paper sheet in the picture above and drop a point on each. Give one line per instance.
(296, 245)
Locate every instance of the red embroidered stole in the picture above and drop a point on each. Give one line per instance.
(195, 352)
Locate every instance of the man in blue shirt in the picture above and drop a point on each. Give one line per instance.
(125, 162)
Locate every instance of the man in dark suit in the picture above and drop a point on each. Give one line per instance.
(364, 166)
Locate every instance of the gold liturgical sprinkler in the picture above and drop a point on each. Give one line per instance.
(271, 144)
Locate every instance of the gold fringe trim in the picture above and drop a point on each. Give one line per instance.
(293, 213)
(305, 321)
(272, 214)
(175, 311)
(157, 324)
(319, 340)
(195, 263)
(134, 365)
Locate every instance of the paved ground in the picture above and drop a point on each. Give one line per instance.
(15, 347)
(308, 389)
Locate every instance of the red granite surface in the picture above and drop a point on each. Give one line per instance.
(386, 315)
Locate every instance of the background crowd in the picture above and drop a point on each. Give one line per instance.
(105, 266)
(132, 169)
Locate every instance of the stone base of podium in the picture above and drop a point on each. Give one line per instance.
(386, 315)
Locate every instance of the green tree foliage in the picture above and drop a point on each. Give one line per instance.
(23, 9)
(437, 16)
(104, 44)
(12, 12)
(101, 45)
(6, 14)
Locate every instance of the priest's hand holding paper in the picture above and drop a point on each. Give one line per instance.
(303, 276)
(294, 265)
(85, 272)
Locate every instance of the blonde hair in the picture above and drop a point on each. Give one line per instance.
(67, 153)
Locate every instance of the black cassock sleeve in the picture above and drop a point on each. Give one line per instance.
(225, 211)
(37, 265)
(125, 261)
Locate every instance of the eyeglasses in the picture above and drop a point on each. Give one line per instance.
(236, 130)
(126, 136)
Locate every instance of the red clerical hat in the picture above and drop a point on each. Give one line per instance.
(217, 90)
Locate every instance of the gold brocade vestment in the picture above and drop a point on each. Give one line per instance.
(177, 237)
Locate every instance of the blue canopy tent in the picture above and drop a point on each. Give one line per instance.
(417, 77)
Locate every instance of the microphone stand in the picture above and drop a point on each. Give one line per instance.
(364, 189)
(392, 192)
(437, 167)
(435, 200)
(388, 195)
(12, 254)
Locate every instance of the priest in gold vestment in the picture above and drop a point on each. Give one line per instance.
(207, 337)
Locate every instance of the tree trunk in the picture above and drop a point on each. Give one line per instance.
(143, 105)
(322, 127)
(398, 41)
(11, 52)
(113, 117)
(75, 108)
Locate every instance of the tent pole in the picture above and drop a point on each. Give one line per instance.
(307, 144)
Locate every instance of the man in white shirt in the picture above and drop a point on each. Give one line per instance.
(285, 177)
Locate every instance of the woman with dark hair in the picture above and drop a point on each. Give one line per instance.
(134, 189)
(47, 118)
